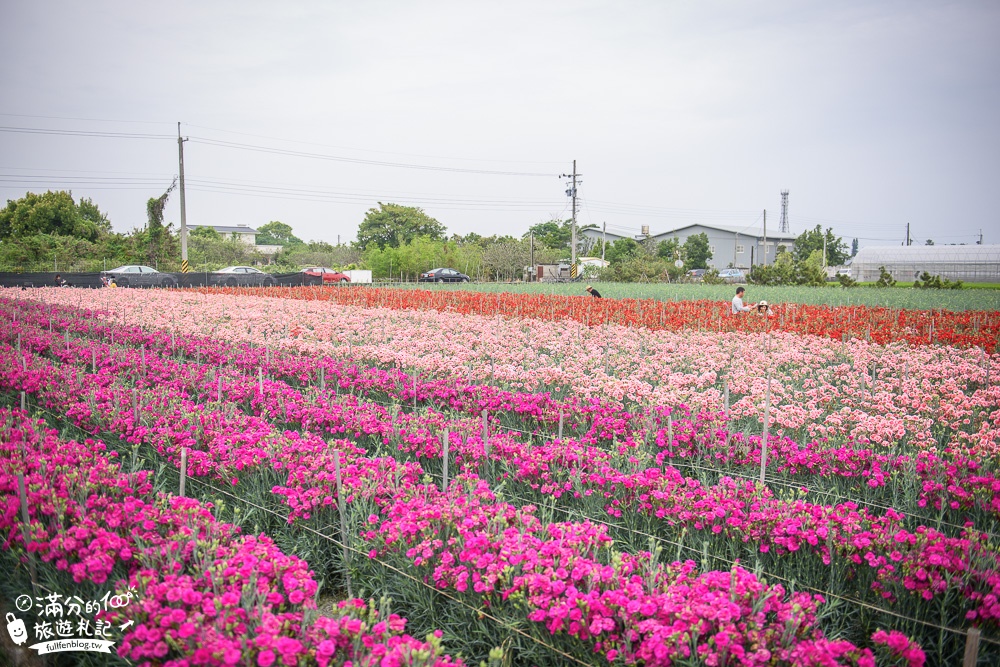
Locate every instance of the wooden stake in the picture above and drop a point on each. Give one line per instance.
(343, 519)
(322, 379)
(24, 402)
(971, 648)
(763, 442)
(560, 423)
(184, 469)
(486, 435)
(444, 464)
(25, 527)
(725, 394)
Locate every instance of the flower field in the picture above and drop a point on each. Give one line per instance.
(518, 481)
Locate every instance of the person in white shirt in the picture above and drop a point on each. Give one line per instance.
(738, 306)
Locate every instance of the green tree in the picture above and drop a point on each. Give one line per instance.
(929, 242)
(669, 250)
(622, 250)
(854, 247)
(558, 234)
(812, 240)
(52, 213)
(697, 251)
(277, 233)
(393, 225)
(157, 237)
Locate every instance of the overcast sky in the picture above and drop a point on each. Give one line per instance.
(872, 114)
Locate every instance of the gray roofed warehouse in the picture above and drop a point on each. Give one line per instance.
(968, 263)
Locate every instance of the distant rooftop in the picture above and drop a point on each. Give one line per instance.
(231, 229)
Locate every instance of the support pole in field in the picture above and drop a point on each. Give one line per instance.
(725, 396)
(26, 528)
(143, 348)
(322, 379)
(670, 433)
(444, 465)
(343, 520)
(93, 360)
(184, 470)
(219, 378)
(560, 423)
(135, 405)
(971, 648)
(19, 343)
(24, 402)
(260, 381)
(486, 434)
(763, 440)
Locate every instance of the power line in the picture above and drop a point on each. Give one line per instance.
(82, 133)
(370, 150)
(377, 163)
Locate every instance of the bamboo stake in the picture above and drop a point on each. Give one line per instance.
(343, 520)
(486, 435)
(767, 416)
(26, 528)
(971, 648)
(560, 423)
(184, 469)
(444, 463)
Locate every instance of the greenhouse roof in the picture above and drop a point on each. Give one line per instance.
(928, 253)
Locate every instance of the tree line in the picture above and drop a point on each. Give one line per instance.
(52, 231)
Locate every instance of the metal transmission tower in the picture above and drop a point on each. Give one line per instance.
(783, 227)
(571, 192)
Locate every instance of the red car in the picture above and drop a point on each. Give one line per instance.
(329, 275)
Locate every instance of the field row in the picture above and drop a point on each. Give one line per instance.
(255, 435)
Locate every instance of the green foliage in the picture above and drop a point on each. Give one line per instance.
(557, 234)
(393, 225)
(52, 213)
(811, 271)
(641, 268)
(854, 247)
(927, 281)
(159, 242)
(669, 250)
(846, 281)
(812, 239)
(277, 233)
(408, 261)
(885, 278)
(711, 277)
(696, 251)
(622, 251)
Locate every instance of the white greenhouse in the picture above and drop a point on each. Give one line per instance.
(968, 263)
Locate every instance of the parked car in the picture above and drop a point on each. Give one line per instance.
(244, 276)
(443, 276)
(732, 276)
(137, 275)
(328, 275)
(696, 274)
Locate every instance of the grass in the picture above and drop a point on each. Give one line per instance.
(980, 296)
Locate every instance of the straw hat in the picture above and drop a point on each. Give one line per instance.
(589, 288)
(762, 303)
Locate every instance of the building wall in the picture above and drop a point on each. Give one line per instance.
(731, 248)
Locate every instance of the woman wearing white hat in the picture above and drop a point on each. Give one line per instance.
(764, 309)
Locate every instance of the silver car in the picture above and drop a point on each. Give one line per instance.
(138, 275)
(244, 276)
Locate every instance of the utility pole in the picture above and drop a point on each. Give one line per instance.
(604, 242)
(571, 192)
(907, 233)
(534, 272)
(980, 237)
(765, 237)
(736, 240)
(184, 230)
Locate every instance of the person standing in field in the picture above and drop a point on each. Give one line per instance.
(738, 306)
(594, 293)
